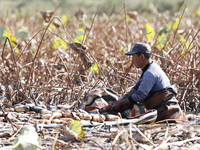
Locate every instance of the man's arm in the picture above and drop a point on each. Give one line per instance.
(134, 96)
(121, 104)
(127, 95)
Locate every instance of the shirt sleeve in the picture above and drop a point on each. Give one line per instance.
(145, 85)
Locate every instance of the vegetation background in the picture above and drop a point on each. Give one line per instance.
(70, 6)
(40, 64)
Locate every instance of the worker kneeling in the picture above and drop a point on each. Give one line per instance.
(153, 89)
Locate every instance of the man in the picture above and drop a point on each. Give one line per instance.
(153, 89)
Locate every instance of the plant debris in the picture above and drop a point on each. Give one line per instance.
(47, 69)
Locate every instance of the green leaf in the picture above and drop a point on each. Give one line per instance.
(184, 43)
(127, 19)
(59, 43)
(150, 33)
(79, 37)
(52, 27)
(4, 33)
(12, 40)
(56, 43)
(174, 23)
(163, 30)
(16, 51)
(63, 44)
(162, 39)
(64, 19)
(7, 33)
(95, 67)
(77, 128)
(27, 139)
(198, 12)
(23, 34)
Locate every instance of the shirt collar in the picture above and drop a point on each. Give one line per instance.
(146, 67)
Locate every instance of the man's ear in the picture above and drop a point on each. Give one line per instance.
(142, 55)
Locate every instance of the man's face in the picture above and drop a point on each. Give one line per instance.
(138, 60)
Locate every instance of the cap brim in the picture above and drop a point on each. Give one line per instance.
(130, 53)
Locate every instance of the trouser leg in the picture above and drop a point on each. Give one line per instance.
(172, 112)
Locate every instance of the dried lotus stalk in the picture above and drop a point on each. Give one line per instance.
(55, 115)
(5, 135)
(31, 112)
(98, 118)
(10, 109)
(58, 121)
(110, 117)
(1, 113)
(46, 116)
(66, 106)
(47, 122)
(67, 114)
(12, 117)
(83, 111)
(37, 109)
(21, 108)
(66, 119)
(84, 116)
(45, 111)
(75, 117)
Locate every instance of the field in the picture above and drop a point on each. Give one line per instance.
(51, 58)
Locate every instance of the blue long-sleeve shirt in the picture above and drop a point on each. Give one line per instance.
(153, 79)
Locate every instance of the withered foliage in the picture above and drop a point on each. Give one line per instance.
(35, 71)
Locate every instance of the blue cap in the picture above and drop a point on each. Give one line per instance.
(140, 47)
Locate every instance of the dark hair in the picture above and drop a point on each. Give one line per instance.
(147, 55)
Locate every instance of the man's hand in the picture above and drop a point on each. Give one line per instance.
(117, 106)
